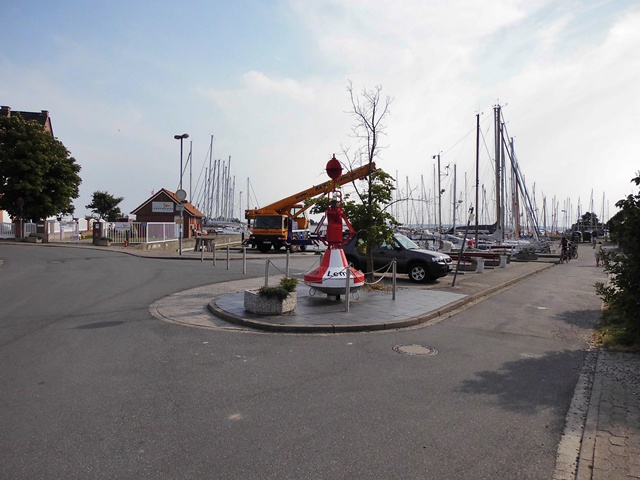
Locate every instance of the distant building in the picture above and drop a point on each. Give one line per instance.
(41, 117)
(164, 207)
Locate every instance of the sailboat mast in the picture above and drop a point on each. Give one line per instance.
(496, 120)
(477, 174)
(455, 203)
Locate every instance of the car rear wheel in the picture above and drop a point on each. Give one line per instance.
(419, 273)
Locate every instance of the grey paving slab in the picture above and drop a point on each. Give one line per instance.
(368, 308)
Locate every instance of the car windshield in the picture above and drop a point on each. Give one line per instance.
(405, 242)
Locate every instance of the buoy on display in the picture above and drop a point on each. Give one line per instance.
(330, 276)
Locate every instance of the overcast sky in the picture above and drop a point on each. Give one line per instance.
(268, 80)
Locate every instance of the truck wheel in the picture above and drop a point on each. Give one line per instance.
(418, 273)
(264, 248)
(293, 248)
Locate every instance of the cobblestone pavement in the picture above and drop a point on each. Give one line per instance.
(611, 440)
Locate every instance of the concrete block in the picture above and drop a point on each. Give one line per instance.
(256, 303)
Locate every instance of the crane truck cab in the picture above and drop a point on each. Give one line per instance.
(279, 230)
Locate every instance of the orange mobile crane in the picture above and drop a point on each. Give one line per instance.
(284, 223)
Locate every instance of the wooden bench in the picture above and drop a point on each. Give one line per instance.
(491, 259)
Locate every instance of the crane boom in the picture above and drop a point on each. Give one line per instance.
(284, 206)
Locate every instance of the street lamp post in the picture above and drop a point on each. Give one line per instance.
(181, 138)
(182, 194)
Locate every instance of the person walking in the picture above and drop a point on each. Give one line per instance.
(598, 253)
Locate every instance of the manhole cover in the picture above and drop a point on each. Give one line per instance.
(415, 350)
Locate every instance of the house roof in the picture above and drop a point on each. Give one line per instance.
(190, 209)
(41, 117)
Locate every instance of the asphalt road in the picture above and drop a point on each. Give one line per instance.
(92, 386)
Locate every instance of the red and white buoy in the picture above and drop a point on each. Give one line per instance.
(330, 276)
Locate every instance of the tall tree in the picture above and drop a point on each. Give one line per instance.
(369, 216)
(36, 167)
(105, 206)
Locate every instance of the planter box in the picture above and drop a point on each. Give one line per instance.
(256, 303)
(34, 239)
(101, 242)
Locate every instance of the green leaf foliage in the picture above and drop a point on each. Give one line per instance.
(622, 293)
(286, 286)
(105, 206)
(36, 167)
(370, 215)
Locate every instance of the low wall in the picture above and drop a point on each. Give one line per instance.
(189, 243)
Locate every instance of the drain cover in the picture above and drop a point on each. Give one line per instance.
(415, 350)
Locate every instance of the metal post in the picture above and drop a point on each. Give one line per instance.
(266, 274)
(228, 257)
(439, 206)
(347, 291)
(214, 254)
(180, 229)
(393, 279)
(287, 264)
(464, 242)
(244, 260)
(201, 252)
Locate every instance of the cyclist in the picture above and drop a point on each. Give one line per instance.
(573, 249)
(564, 253)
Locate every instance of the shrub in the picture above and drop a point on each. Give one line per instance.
(622, 294)
(286, 286)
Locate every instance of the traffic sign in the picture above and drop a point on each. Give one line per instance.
(181, 194)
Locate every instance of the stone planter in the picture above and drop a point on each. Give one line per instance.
(34, 239)
(102, 242)
(256, 303)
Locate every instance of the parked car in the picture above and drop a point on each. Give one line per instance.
(421, 265)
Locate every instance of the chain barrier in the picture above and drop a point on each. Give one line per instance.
(387, 266)
(285, 273)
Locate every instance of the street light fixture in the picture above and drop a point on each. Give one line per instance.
(181, 138)
(182, 192)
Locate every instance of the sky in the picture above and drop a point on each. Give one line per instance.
(266, 83)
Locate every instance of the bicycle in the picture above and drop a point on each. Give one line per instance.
(573, 250)
(564, 256)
